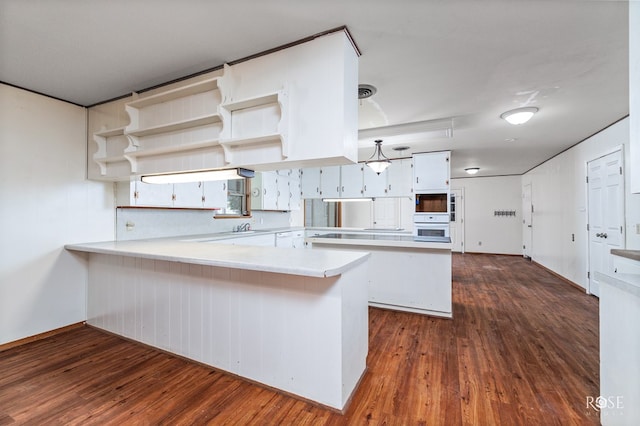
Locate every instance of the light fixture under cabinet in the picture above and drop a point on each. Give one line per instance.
(472, 170)
(201, 176)
(335, 200)
(519, 115)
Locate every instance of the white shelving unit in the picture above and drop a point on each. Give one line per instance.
(111, 144)
(255, 130)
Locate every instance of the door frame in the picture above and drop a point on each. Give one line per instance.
(527, 252)
(623, 237)
(459, 214)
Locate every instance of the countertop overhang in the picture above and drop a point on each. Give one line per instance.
(312, 263)
(364, 239)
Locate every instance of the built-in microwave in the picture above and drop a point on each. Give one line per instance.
(432, 203)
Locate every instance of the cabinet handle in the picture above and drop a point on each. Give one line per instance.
(604, 235)
(343, 189)
(365, 188)
(264, 191)
(417, 179)
(337, 189)
(224, 186)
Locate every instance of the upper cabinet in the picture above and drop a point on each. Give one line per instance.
(400, 178)
(431, 172)
(285, 109)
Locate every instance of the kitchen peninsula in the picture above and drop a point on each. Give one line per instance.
(403, 274)
(291, 319)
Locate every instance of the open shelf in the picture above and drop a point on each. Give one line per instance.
(149, 152)
(257, 140)
(175, 126)
(110, 133)
(180, 92)
(269, 98)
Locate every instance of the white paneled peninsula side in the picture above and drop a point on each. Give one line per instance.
(292, 319)
(620, 340)
(403, 274)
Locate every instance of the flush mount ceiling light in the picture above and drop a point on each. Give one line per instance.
(224, 174)
(472, 170)
(519, 115)
(381, 162)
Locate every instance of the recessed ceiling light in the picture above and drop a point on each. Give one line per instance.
(400, 148)
(519, 115)
(472, 170)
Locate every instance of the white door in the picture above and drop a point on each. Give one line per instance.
(456, 225)
(527, 223)
(386, 213)
(605, 182)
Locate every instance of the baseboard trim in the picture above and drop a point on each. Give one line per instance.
(564, 279)
(40, 336)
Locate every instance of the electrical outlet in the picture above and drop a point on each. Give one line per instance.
(479, 243)
(637, 228)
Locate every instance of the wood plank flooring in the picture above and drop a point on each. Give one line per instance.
(522, 349)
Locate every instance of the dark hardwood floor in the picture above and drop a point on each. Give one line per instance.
(522, 349)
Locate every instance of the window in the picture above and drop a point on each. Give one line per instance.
(237, 197)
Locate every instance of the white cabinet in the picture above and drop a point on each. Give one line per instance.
(375, 185)
(188, 194)
(351, 181)
(261, 113)
(264, 191)
(290, 239)
(137, 193)
(277, 190)
(431, 172)
(211, 194)
(310, 182)
(214, 194)
(330, 182)
(400, 178)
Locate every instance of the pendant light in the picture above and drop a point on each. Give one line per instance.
(381, 162)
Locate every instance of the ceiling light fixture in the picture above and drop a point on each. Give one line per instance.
(224, 174)
(472, 170)
(381, 162)
(519, 115)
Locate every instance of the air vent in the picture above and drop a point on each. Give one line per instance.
(366, 91)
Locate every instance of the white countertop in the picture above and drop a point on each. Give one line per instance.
(313, 263)
(626, 282)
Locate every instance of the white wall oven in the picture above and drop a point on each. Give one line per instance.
(431, 217)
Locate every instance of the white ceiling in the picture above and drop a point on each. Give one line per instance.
(463, 60)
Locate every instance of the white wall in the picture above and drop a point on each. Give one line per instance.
(559, 196)
(46, 203)
(484, 232)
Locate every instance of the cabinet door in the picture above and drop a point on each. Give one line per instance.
(215, 194)
(153, 194)
(264, 191)
(431, 171)
(187, 194)
(375, 185)
(400, 178)
(295, 200)
(310, 182)
(330, 182)
(351, 181)
(284, 194)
